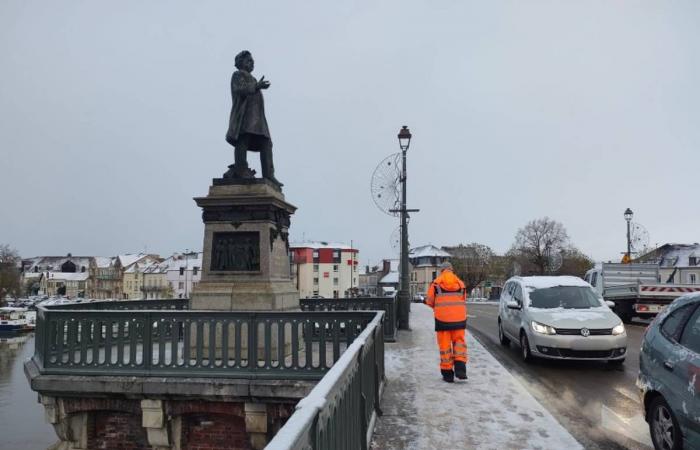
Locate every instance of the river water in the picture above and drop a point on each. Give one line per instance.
(22, 424)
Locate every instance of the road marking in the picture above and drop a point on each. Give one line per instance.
(634, 427)
(627, 393)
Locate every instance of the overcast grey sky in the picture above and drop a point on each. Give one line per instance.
(113, 115)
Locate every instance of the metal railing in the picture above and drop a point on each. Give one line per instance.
(120, 305)
(386, 304)
(149, 342)
(341, 410)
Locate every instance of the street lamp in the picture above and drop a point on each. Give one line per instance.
(628, 218)
(403, 297)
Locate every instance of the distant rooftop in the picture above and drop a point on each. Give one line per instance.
(320, 244)
(428, 251)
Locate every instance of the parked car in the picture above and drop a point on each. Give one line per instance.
(418, 298)
(669, 375)
(559, 318)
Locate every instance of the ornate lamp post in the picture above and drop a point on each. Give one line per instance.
(628, 218)
(404, 296)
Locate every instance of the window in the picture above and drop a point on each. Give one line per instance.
(594, 278)
(434, 275)
(336, 294)
(692, 261)
(671, 327)
(315, 253)
(182, 271)
(691, 334)
(336, 254)
(315, 267)
(518, 294)
(335, 267)
(335, 281)
(315, 280)
(195, 270)
(181, 285)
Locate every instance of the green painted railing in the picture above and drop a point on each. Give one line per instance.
(341, 410)
(386, 304)
(274, 345)
(169, 303)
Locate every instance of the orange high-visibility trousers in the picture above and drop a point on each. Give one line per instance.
(452, 347)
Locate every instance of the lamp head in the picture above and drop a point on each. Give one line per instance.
(404, 138)
(628, 215)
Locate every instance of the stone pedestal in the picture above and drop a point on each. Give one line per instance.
(245, 262)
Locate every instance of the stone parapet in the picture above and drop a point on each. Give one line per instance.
(115, 412)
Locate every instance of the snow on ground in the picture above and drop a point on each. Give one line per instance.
(490, 410)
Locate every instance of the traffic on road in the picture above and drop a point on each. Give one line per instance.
(583, 364)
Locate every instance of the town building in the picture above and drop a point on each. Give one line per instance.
(183, 272)
(325, 269)
(388, 283)
(68, 284)
(678, 263)
(106, 275)
(368, 281)
(425, 267)
(132, 273)
(154, 282)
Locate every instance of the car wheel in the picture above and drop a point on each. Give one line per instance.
(525, 348)
(663, 426)
(501, 336)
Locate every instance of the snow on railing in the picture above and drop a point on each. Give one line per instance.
(341, 410)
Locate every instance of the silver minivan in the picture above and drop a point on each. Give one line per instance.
(560, 318)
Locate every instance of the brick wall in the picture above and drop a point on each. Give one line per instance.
(111, 430)
(214, 432)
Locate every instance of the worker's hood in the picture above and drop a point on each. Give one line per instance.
(448, 281)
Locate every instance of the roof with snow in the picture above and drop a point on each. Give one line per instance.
(428, 251)
(320, 244)
(44, 263)
(674, 255)
(186, 260)
(103, 261)
(390, 278)
(68, 276)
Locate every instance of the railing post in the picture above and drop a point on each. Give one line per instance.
(147, 342)
(253, 342)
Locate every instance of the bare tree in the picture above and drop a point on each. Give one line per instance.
(537, 241)
(471, 262)
(9, 272)
(575, 263)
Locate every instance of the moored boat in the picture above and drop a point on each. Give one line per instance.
(16, 319)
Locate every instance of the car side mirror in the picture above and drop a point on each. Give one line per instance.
(513, 305)
(610, 304)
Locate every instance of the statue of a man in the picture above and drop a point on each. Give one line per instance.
(248, 129)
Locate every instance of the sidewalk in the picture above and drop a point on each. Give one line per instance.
(490, 410)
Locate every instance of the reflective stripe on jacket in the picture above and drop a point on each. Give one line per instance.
(447, 296)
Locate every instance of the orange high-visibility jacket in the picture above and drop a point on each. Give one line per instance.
(447, 295)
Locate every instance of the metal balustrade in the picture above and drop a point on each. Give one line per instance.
(386, 304)
(340, 411)
(274, 345)
(170, 303)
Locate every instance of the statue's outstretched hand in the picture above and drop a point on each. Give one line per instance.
(263, 84)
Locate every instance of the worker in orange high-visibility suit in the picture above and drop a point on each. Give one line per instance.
(447, 295)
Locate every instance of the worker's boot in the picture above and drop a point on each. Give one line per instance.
(461, 370)
(448, 375)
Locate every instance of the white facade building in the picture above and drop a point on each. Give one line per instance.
(184, 270)
(324, 269)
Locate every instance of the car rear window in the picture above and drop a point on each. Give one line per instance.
(671, 327)
(691, 333)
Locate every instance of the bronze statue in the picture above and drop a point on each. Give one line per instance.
(248, 129)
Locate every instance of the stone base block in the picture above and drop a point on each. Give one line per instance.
(246, 296)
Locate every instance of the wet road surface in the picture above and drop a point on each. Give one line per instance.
(596, 403)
